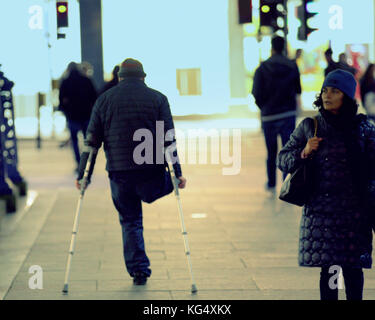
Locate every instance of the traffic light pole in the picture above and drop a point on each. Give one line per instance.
(285, 29)
(270, 12)
(91, 37)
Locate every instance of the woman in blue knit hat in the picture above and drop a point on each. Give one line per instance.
(336, 224)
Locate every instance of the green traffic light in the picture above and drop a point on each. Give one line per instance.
(265, 8)
(62, 8)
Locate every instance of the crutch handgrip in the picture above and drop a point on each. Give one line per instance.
(175, 185)
(89, 163)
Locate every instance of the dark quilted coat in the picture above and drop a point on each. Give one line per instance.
(336, 224)
(122, 110)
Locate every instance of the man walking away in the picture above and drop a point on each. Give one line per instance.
(118, 114)
(344, 65)
(275, 89)
(77, 97)
(331, 64)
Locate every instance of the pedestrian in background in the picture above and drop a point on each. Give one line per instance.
(276, 88)
(299, 53)
(344, 65)
(331, 64)
(113, 81)
(86, 69)
(77, 96)
(367, 85)
(298, 59)
(336, 220)
(117, 115)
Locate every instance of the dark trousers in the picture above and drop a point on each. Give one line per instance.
(129, 207)
(353, 279)
(271, 130)
(74, 128)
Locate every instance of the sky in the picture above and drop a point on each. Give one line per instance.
(165, 35)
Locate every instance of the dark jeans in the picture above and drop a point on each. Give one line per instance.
(75, 127)
(271, 130)
(353, 279)
(129, 207)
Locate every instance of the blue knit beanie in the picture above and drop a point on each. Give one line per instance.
(342, 80)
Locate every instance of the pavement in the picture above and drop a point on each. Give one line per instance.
(243, 240)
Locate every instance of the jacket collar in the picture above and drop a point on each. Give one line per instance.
(131, 80)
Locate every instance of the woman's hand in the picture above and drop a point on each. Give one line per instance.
(311, 146)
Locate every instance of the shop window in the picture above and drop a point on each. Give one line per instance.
(189, 82)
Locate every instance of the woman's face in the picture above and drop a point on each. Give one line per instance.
(332, 99)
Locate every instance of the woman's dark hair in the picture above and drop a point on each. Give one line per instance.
(347, 103)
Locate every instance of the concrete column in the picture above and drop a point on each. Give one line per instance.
(372, 50)
(237, 75)
(91, 37)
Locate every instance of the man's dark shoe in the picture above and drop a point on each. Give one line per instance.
(139, 279)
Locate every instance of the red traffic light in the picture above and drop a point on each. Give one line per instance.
(62, 13)
(303, 14)
(245, 11)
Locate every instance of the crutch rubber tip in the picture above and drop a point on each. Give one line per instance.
(65, 289)
(194, 289)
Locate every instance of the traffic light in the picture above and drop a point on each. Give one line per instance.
(62, 14)
(273, 13)
(245, 11)
(303, 14)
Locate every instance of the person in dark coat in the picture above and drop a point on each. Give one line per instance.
(276, 88)
(336, 221)
(331, 64)
(344, 65)
(367, 86)
(77, 97)
(120, 115)
(113, 81)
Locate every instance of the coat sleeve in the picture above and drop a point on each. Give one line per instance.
(298, 81)
(62, 97)
(95, 131)
(257, 89)
(94, 138)
(289, 157)
(169, 132)
(370, 151)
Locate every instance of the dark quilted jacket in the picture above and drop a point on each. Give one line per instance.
(335, 225)
(118, 113)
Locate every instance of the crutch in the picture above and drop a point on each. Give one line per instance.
(176, 182)
(89, 165)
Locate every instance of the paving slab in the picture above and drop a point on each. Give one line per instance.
(243, 240)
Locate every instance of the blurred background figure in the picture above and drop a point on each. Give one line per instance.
(343, 64)
(298, 59)
(367, 85)
(332, 65)
(77, 97)
(113, 81)
(87, 69)
(299, 53)
(276, 88)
